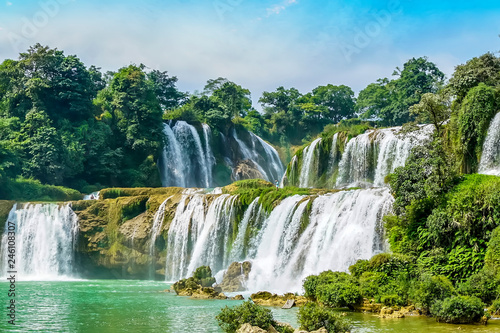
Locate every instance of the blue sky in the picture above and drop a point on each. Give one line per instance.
(258, 44)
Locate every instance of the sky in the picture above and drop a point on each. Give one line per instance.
(259, 44)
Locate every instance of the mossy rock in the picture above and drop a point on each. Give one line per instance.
(5, 208)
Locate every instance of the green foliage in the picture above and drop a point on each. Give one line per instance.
(429, 289)
(458, 310)
(484, 285)
(484, 69)
(334, 289)
(492, 257)
(389, 100)
(32, 190)
(313, 317)
(230, 319)
(477, 109)
(204, 275)
(359, 267)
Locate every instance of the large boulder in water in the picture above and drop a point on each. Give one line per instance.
(246, 169)
(199, 285)
(236, 276)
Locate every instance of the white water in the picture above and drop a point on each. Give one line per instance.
(173, 167)
(209, 155)
(370, 157)
(308, 154)
(490, 157)
(343, 227)
(268, 164)
(45, 240)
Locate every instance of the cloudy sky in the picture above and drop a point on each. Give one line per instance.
(259, 44)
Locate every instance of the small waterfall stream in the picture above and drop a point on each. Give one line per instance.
(490, 158)
(45, 241)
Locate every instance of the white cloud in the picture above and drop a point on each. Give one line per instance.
(8, 3)
(278, 8)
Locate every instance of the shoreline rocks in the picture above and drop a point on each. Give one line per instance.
(266, 298)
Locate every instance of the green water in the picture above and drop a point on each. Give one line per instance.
(142, 306)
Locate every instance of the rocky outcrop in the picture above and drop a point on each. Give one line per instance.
(399, 312)
(247, 328)
(266, 298)
(199, 286)
(236, 276)
(321, 330)
(246, 170)
(114, 239)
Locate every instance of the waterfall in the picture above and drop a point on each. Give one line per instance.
(184, 161)
(343, 227)
(172, 161)
(370, 157)
(45, 240)
(267, 162)
(209, 155)
(302, 235)
(308, 153)
(155, 231)
(490, 157)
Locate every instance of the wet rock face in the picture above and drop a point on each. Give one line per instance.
(236, 277)
(246, 170)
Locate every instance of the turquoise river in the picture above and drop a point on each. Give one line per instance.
(144, 306)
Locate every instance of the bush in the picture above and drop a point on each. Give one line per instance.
(342, 293)
(391, 264)
(359, 268)
(230, 319)
(203, 274)
(334, 289)
(312, 317)
(430, 289)
(458, 310)
(483, 285)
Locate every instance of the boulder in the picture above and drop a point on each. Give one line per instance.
(265, 298)
(235, 277)
(247, 328)
(238, 298)
(246, 170)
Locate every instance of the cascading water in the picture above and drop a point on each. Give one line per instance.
(307, 164)
(490, 157)
(302, 235)
(45, 241)
(364, 160)
(155, 231)
(343, 227)
(268, 163)
(184, 161)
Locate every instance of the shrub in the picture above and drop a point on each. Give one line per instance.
(340, 294)
(430, 289)
(483, 285)
(312, 317)
(203, 275)
(359, 268)
(458, 310)
(334, 289)
(230, 319)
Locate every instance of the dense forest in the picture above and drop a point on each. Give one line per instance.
(67, 124)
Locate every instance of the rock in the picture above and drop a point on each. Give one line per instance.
(246, 170)
(265, 298)
(388, 312)
(368, 306)
(289, 303)
(321, 330)
(195, 286)
(236, 276)
(238, 298)
(247, 328)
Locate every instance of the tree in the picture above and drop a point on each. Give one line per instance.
(434, 108)
(337, 102)
(373, 99)
(166, 91)
(484, 69)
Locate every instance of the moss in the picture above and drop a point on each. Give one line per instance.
(112, 193)
(5, 208)
(22, 189)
